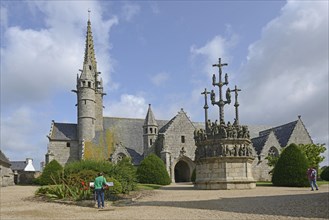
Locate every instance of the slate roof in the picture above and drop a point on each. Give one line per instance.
(129, 131)
(64, 131)
(18, 165)
(259, 142)
(282, 132)
(4, 159)
(150, 119)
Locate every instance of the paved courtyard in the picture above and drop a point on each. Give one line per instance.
(179, 201)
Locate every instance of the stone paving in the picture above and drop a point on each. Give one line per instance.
(179, 201)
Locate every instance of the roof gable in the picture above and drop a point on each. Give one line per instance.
(259, 142)
(282, 132)
(181, 116)
(63, 131)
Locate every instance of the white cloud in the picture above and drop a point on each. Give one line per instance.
(130, 106)
(37, 62)
(129, 11)
(160, 78)
(212, 50)
(18, 135)
(286, 73)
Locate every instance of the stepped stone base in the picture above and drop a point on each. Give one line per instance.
(224, 173)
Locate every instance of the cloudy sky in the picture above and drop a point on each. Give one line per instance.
(162, 53)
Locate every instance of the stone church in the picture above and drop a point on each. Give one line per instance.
(111, 138)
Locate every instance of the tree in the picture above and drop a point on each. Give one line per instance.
(51, 174)
(290, 170)
(152, 170)
(313, 153)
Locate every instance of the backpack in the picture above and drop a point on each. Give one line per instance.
(313, 173)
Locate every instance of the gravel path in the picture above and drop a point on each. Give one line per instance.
(179, 201)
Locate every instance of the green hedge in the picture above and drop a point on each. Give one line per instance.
(152, 170)
(123, 172)
(291, 168)
(325, 174)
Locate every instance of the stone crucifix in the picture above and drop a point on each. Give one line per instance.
(205, 93)
(236, 104)
(220, 84)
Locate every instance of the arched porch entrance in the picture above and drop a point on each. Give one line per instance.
(182, 172)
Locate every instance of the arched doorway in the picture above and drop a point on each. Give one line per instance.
(182, 172)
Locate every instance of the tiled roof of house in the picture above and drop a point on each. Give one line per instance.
(259, 142)
(64, 131)
(282, 132)
(4, 159)
(18, 165)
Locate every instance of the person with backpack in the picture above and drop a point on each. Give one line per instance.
(100, 181)
(311, 175)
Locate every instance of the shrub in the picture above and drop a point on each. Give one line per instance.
(87, 170)
(125, 173)
(97, 166)
(152, 170)
(325, 174)
(290, 170)
(65, 191)
(51, 174)
(116, 188)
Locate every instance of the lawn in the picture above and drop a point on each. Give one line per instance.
(141, 186)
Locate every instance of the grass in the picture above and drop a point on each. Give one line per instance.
(263, 183)
(322, 182)
(141, 186)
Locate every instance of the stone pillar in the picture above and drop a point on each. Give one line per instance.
(165, 156)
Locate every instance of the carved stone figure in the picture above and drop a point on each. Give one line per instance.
(228, 96)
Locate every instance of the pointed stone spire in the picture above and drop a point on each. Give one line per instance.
(150, 119)
(89, 50)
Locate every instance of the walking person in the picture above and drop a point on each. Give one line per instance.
(311, 175)
(100, 181)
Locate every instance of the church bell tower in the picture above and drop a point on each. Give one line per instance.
(89, 90)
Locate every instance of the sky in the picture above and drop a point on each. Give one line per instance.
(161, 53)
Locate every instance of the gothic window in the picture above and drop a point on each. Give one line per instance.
(151, 130)
(89, 84)
(183, 139)
(89, 67)
(151, 142)
(273, 152)
(68, 144)
(83, 83)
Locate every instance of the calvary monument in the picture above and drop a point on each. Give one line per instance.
(224, 153)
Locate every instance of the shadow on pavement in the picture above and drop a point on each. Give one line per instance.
(305, 205)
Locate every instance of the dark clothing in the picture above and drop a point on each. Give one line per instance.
(100, 197)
